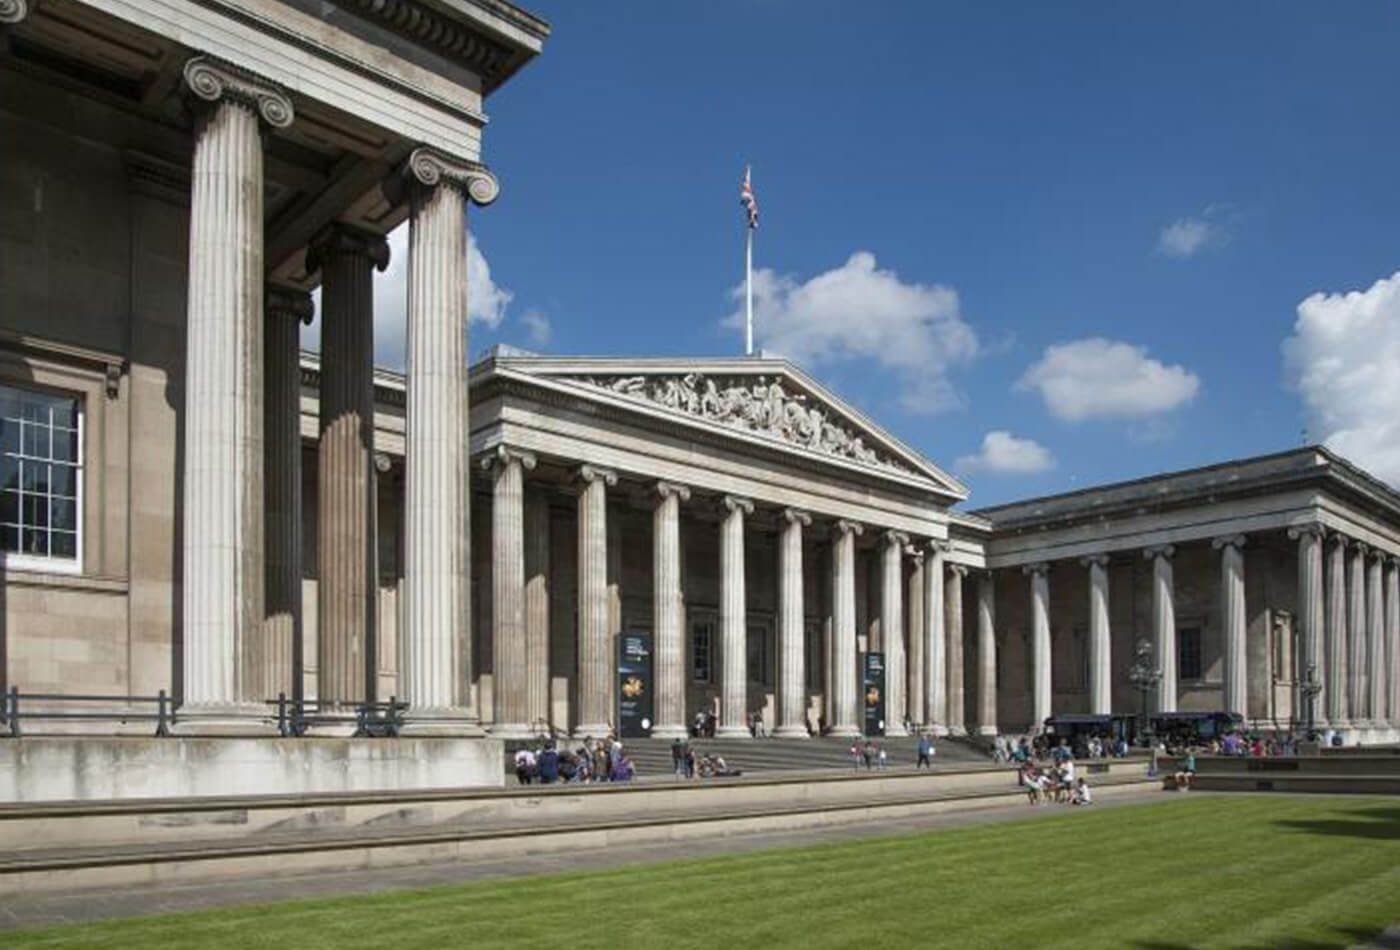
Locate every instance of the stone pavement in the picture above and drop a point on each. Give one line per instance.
(92, 905)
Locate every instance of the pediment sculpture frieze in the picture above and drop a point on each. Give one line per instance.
(758, 404)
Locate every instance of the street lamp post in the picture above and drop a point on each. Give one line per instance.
(1310, 687)
(1145, 676)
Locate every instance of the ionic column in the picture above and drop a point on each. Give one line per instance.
(935, 670)
(792, 679)
(223, 589)
(1100, 642)
(892, 630)
(14, 11)
(508, 637)
(733, 622)
(537, 607)
(1234, 621)
(916, 662)
(1378, 691)
(1358, 697)
(345, 498)
(1040, 643)
(436, 641)
(1164, 622)
(953, 622)
(1337, 678)
(845, 720)
(1392, 637)
(594, 638)
(986, 654)
(281, 651)
(669, 611)
(1311, 615)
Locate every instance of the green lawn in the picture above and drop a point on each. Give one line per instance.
(1201, 871)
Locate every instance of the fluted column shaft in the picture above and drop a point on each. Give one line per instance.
(1335, 672)
(914, 699)
(935, 673)
(595, 686)
(223, 588)
(1392, 638)
(986, 654)
(1311, 616)
(537, 607)
(1040, 644)
(792, 678)
(1377, 685)
(669, 611)
(1164, 623)
(509, 653)
(1233, 625)
(282, 630)
(845, 717)
(953, 621)
(345, 499)
(1100, 643)
(1358, 697)
(892, 630)
(733, 621)
(436, 640)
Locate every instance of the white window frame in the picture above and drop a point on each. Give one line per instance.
(10, 560)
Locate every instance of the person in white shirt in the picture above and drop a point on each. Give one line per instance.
(1082, 794)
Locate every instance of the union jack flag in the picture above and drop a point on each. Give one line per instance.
(749, 202)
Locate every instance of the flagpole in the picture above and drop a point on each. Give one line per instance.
(748, 291)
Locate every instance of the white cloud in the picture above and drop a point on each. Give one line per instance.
(486, 301)
(1106, 379)
(1185, 237)
(1006, 454)
(537, 325)
(1342, 360)
(860, 312)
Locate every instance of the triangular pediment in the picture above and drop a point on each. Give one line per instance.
(770, 400)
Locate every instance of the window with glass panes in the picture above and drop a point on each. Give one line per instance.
(40, 474)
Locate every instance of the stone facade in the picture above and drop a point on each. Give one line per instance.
(256, 522)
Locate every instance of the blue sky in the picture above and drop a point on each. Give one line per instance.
(1048, 245)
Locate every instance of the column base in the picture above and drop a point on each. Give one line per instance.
(844, 732)
(896, 731)
(990, 731)
(223, 719)
(597, 730)
(957, 731)
(670, 732)
(791, 732)
(733, 732)
(939, 730)
(441, 721)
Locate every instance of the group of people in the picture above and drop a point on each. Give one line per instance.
(1054, 782)
(688, 763)
(872, 755)
(1006, 749)
(593, 760)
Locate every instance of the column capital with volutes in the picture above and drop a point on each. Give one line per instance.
(588, 474)
(211, 81)
(289, 303)
(1236, 541)
(959, 569)
(14, 11)
(895, 538)
(428, 167)
(938, 546)
(665, 490)
(737, 503)
(339, 239)
(1313, 529)
(1095, 560)
(1154, 551)
(503, 455)
(846, 526)
(1039, 567)
(797, 516)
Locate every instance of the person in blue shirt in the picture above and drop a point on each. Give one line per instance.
(925, 750)
(547, 765)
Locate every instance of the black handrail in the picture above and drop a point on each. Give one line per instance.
(12, 714)
(376, 719)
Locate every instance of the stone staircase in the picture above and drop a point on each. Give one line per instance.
(652, 757)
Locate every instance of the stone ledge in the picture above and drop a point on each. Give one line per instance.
(26, 577)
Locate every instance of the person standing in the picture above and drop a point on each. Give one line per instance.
(925, 750)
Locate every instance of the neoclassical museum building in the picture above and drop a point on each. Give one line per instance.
(189, 504)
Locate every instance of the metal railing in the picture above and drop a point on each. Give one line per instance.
(376, 720)
(18, 707)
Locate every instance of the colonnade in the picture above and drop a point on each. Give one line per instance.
(241, 612)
